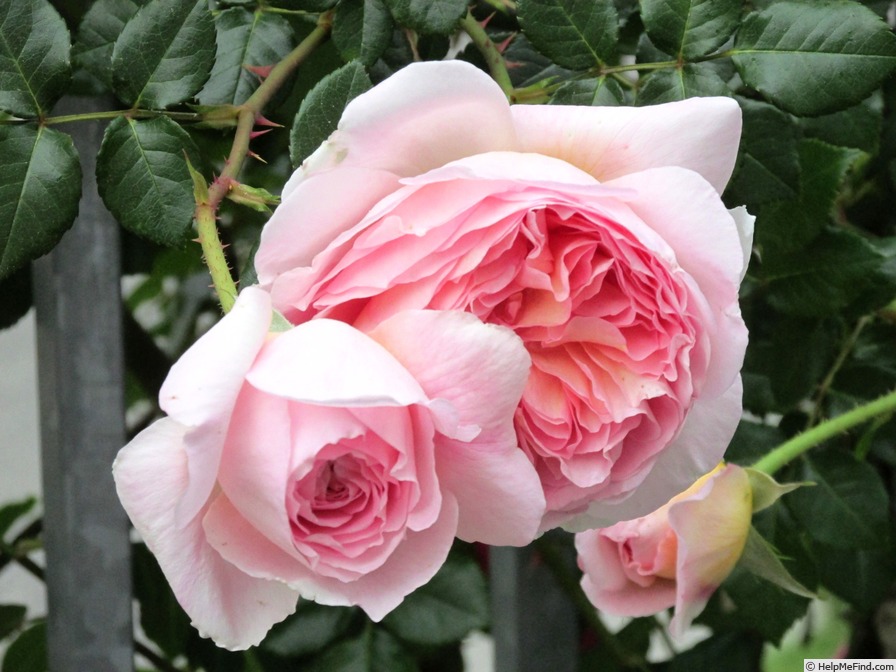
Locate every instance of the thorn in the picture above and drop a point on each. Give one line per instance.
(262, 121)
(255, 134)
(261, 70)
(506, 43)
(255, 156)
(485, 21)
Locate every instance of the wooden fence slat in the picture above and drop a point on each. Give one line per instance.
(81, 385)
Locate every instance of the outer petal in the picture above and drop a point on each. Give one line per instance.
(701, 134)
(608, 588)
(481, 370)
(696, 450)
(332, 363)
(690, 217)
(202, 386)
(231, 607)
(422, 117)
(315, 212)
(414, 562)
(712, 528)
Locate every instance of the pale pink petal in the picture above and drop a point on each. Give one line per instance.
(481, 370)
(745, 228)
(233, 608)
(414, 562)
(314, 213)
(701, 134)
(609, 588)
(688, 215)
(422, 117)
(712, 527)
(696, 450)
(256, 464)
(331, 363)
(202, 386)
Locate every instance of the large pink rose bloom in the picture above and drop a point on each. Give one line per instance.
(675, 556)
(597, 234)
(329, 464)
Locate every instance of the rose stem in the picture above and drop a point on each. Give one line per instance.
(207, 208)
(800, 443)
(558, 566)
(489, 51)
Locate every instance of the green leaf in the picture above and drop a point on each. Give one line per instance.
(446, 608)
(576, 34)
(799, 355)
(857, 575)
(847, 508)
(362, 30)
(34, 57)
(689, 81)
(28, 653)
(144, 180)
(244, 38)
(689, 28)
(788, 226)
(161, 617)
(375, 650)
(97, 32)
(12, 616)
(732, 652)
(438, 17)
(164, 54)
(10, 513)
(857, 127)
(837, 268)
(768, 167)
(311, 628)
(814, 57)
(597, 91)
(40, 186)
(319, 113)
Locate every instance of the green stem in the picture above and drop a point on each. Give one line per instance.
(800, 443)
(832, 373)
(496, 65)
(660, 65)
(110, 114)
(570, 585)
(207, 209)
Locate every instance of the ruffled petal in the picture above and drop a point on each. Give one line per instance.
(224, 603)
(202, 387)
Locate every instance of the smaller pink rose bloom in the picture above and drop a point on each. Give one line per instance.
(326, 463)
(676, 556)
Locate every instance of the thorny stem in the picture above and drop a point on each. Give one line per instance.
(555, 562)
(496, 65)
(800, 443)
(206, 209)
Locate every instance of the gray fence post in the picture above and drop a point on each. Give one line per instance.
(81, 384)
(533, 622)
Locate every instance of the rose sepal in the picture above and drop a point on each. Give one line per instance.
(760, 558)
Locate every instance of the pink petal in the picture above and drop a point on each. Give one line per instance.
(414, 562)
(203, 385)
(701, 134)
(606, 584)
(223, 602)
(696, 450)
(712, 528)
(481, 370)
(690, 217)
(422, 117)
(315, 212)
(331, 363)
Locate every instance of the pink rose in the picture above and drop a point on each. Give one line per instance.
(597, 234)
(678, 555)
(325, 463)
